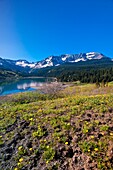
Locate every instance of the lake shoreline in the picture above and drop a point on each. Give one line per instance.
(46, 88)
(23, 84)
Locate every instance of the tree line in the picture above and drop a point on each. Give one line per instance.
(87, 75)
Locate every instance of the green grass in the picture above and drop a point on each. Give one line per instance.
(51, 124)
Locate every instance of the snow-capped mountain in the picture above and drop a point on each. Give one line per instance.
(24, 65)
(67, 58)
(16, 65)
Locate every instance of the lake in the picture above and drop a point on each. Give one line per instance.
(22, 85)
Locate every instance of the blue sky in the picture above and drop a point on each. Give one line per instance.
(36, 29)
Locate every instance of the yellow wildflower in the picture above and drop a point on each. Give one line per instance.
(16, 169)
(96, 149)
(31, 119)
(66, 143)
(30, 149)
(21, 160)
(92, 137)
(111, 134)
(0, 137)
(18, 163)
(20, 147)
(47, 147)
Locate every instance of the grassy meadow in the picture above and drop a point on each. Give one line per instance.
(68, 130)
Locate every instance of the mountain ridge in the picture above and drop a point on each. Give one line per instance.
(68, 58)
(24, 65)
(84, 67)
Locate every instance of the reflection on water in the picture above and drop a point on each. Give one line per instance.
(22, 85)
(25, 86)
(1, 89)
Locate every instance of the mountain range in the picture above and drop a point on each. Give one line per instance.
(51, 61)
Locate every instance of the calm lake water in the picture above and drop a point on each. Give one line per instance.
(22, 85)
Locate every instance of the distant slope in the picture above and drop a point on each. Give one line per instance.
(7, 75)
(16, 65)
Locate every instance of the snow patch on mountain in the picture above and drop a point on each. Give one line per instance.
(25, 64)
(94, 55)
(49, 59)
(90, 55)
(43, 66)
(47, 65)
(79, 59)
(65, 57)
(57, 64)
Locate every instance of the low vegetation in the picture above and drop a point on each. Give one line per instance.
(70, 130)
(6, 75)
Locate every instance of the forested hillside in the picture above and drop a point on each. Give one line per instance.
(90, 71)
(7, 75)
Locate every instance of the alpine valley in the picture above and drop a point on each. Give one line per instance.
(66, 67)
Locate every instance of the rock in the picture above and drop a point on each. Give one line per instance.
(7, 156)
(110, 150)
(17, 136)
(8, 150)
(69, 153)
(110, 110)
(75, 139)
(89, 115)
(61, 148)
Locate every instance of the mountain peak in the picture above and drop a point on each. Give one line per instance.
(50, 61)
(68, 58)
